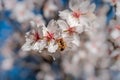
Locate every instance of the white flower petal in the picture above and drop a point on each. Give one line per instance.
(76, 40)
(72, 21)
(73, 4)
(115, 34)
(83, 7)
(27, 46)
(42, 45)
(39, 46)
(64, 14)
(92, 7)
(79, 28)
(44, 30)
(36, 46)
(52, 47)
(62, 24)
(52, 26)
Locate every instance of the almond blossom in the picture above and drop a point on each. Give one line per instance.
(34, 40)
(69, 31)
(81, 14)
(50, 34)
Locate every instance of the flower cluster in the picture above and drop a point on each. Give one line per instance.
(62, 34)
(88, 33)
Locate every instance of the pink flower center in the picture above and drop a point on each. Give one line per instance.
(36, 36)
(76, 14)
(49, 36)
(71, 30)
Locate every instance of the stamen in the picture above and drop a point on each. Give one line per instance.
(71, 30)
(36, 36)
(76, 14)
(49, 36)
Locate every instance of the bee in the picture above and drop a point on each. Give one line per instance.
(61, 44)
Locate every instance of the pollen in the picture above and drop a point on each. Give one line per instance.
(71, 30)
(50, 36)
(36, 36)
